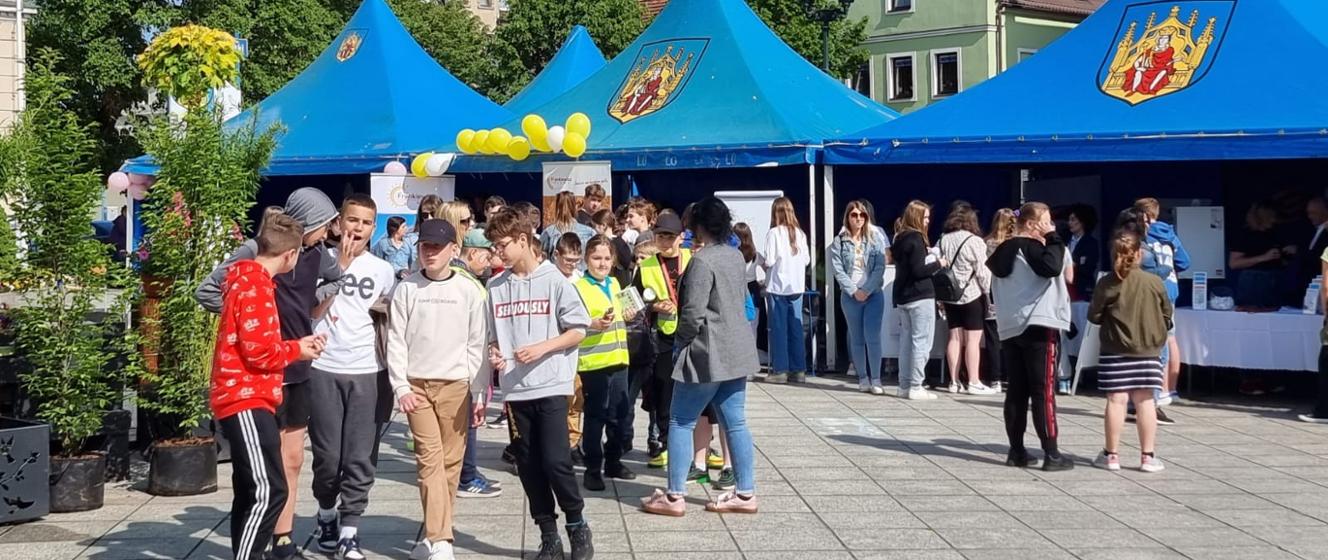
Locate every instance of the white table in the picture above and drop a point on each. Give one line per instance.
(892, 326)
(1268, 341)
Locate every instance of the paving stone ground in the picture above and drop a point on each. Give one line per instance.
(840, 475)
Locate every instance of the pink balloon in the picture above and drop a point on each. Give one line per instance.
(395, 168)
(117, 182)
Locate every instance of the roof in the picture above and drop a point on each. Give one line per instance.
(707, 85)
(1069, 7)
(371, 97)
(1236, 87)
(575, 61)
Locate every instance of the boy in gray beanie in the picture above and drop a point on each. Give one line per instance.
(296, 297)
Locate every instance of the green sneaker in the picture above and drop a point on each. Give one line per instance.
(699, 476)
(659, 461)
(726, 480)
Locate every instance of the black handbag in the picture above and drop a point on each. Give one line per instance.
(947, 286)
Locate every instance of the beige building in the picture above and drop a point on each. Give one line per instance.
(11, 69)
(489, 11)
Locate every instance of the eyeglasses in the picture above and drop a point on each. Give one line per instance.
(500, 246)
(857, 215)
(467, 221)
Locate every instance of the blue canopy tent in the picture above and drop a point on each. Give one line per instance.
(575, 61)
(1166, 80)
(373, 96)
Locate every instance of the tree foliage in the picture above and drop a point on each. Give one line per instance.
(788, 18)
(71, 358)
(532, 31)
(451, 35)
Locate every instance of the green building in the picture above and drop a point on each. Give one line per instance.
(923, 51)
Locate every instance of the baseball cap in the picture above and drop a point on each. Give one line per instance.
(437, 231)
(668, 223)
(475, 239)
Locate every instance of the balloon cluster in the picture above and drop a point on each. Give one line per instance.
(427, 164)
(133, 184)
(569, 139)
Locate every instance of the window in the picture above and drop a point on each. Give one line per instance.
(945, 73)
(902, 77)
(1025, 54)
(899, 5)
(485, 3)
(862, 80)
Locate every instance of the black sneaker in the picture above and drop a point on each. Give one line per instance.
(594, 481)
(699, 476)
(551, 547)
(582, 547)
(1162, 418)
(329, 532)
(654, 447)
(284, 549)
(349, 549)
(620, 472)
(1019, 459)
(726, 480)
(578, 458)
(1053, 463)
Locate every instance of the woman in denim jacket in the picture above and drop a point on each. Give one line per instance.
(858, 257)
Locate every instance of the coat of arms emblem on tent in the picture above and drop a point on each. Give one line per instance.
(349, 46)
(1167, 56)
(656, 79)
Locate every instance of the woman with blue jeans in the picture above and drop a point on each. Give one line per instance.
(716, 351)
(915, 298)
(857, 256)
(786, 260)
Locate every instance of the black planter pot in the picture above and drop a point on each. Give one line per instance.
(78, 483)
(25, 470)
(183, 470)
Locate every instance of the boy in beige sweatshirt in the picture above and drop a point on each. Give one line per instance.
(435, 357)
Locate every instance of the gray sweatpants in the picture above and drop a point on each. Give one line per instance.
(344, 431)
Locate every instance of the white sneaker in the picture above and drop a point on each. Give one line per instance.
(955, 388)
(877, 390)
(921, 395)
(980, 389)
(1151, 464)
(422, 551)
(1108, 461)
(442, 551)
(864, 387)
(902, 393)
(998, 387)
(1312, 419)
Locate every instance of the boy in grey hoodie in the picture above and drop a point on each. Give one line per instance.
(538, 323)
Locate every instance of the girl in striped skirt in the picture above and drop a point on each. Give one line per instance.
(1135, 314)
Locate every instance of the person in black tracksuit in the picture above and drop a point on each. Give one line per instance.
(1032, 309)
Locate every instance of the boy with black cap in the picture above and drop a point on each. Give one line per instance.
(296, 297)
(657, 280)
(436, 345)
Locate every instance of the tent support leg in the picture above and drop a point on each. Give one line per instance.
(827, 237)
(812, 246)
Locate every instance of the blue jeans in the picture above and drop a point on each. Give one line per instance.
(468, 470)
(787, 351)
(730, 400)
(916, 335)
(864, 334)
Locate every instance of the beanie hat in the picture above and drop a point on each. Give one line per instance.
(311, 208)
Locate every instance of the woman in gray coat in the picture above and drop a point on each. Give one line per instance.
(715, 352)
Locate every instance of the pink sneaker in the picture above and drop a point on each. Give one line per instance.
(731, 502)
(660, 503)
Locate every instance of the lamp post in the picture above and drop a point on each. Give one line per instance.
(826, 12)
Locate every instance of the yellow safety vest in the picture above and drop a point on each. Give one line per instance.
(652, 278)
(608, 348)
(465, 273)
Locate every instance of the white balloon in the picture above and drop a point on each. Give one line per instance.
(437, 164)
(396, 168)
(555, 138)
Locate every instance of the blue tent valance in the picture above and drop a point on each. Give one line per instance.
(1139, 80)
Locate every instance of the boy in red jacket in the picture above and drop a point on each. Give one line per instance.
(246, 383)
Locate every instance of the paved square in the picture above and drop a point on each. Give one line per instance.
(840, 475)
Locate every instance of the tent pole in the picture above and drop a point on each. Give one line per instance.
(828, 237)
(812, 246)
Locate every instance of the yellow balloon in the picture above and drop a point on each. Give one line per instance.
(463, 141)
(579, 123)
(540, 141)
(498, 140)
(481, 142)
(417, 165)
(533, 126)
(574, 144)
(518, 149)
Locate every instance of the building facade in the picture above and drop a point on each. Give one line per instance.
(923, 51)
(489, 11)
(11, 60)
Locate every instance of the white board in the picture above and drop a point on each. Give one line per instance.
(752, 208)
(1203, 231)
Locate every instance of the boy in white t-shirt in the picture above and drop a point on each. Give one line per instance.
(348, 406)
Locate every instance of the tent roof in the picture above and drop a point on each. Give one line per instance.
(1254, 93)
(730, 93)
(575, 61)
(371, 97)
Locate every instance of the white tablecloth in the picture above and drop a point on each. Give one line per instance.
(1272, 341)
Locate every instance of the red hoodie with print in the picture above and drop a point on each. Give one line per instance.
(250, 355)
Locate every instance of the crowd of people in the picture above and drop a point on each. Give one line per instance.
(571, 320)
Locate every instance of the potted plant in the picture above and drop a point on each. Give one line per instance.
(74, 353)
(195, 212)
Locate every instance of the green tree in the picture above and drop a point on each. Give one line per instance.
(532, 31)
(451, 35)
(788, 18)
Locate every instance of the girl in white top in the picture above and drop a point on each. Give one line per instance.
(786, 260)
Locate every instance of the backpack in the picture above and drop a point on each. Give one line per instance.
(947, 285)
